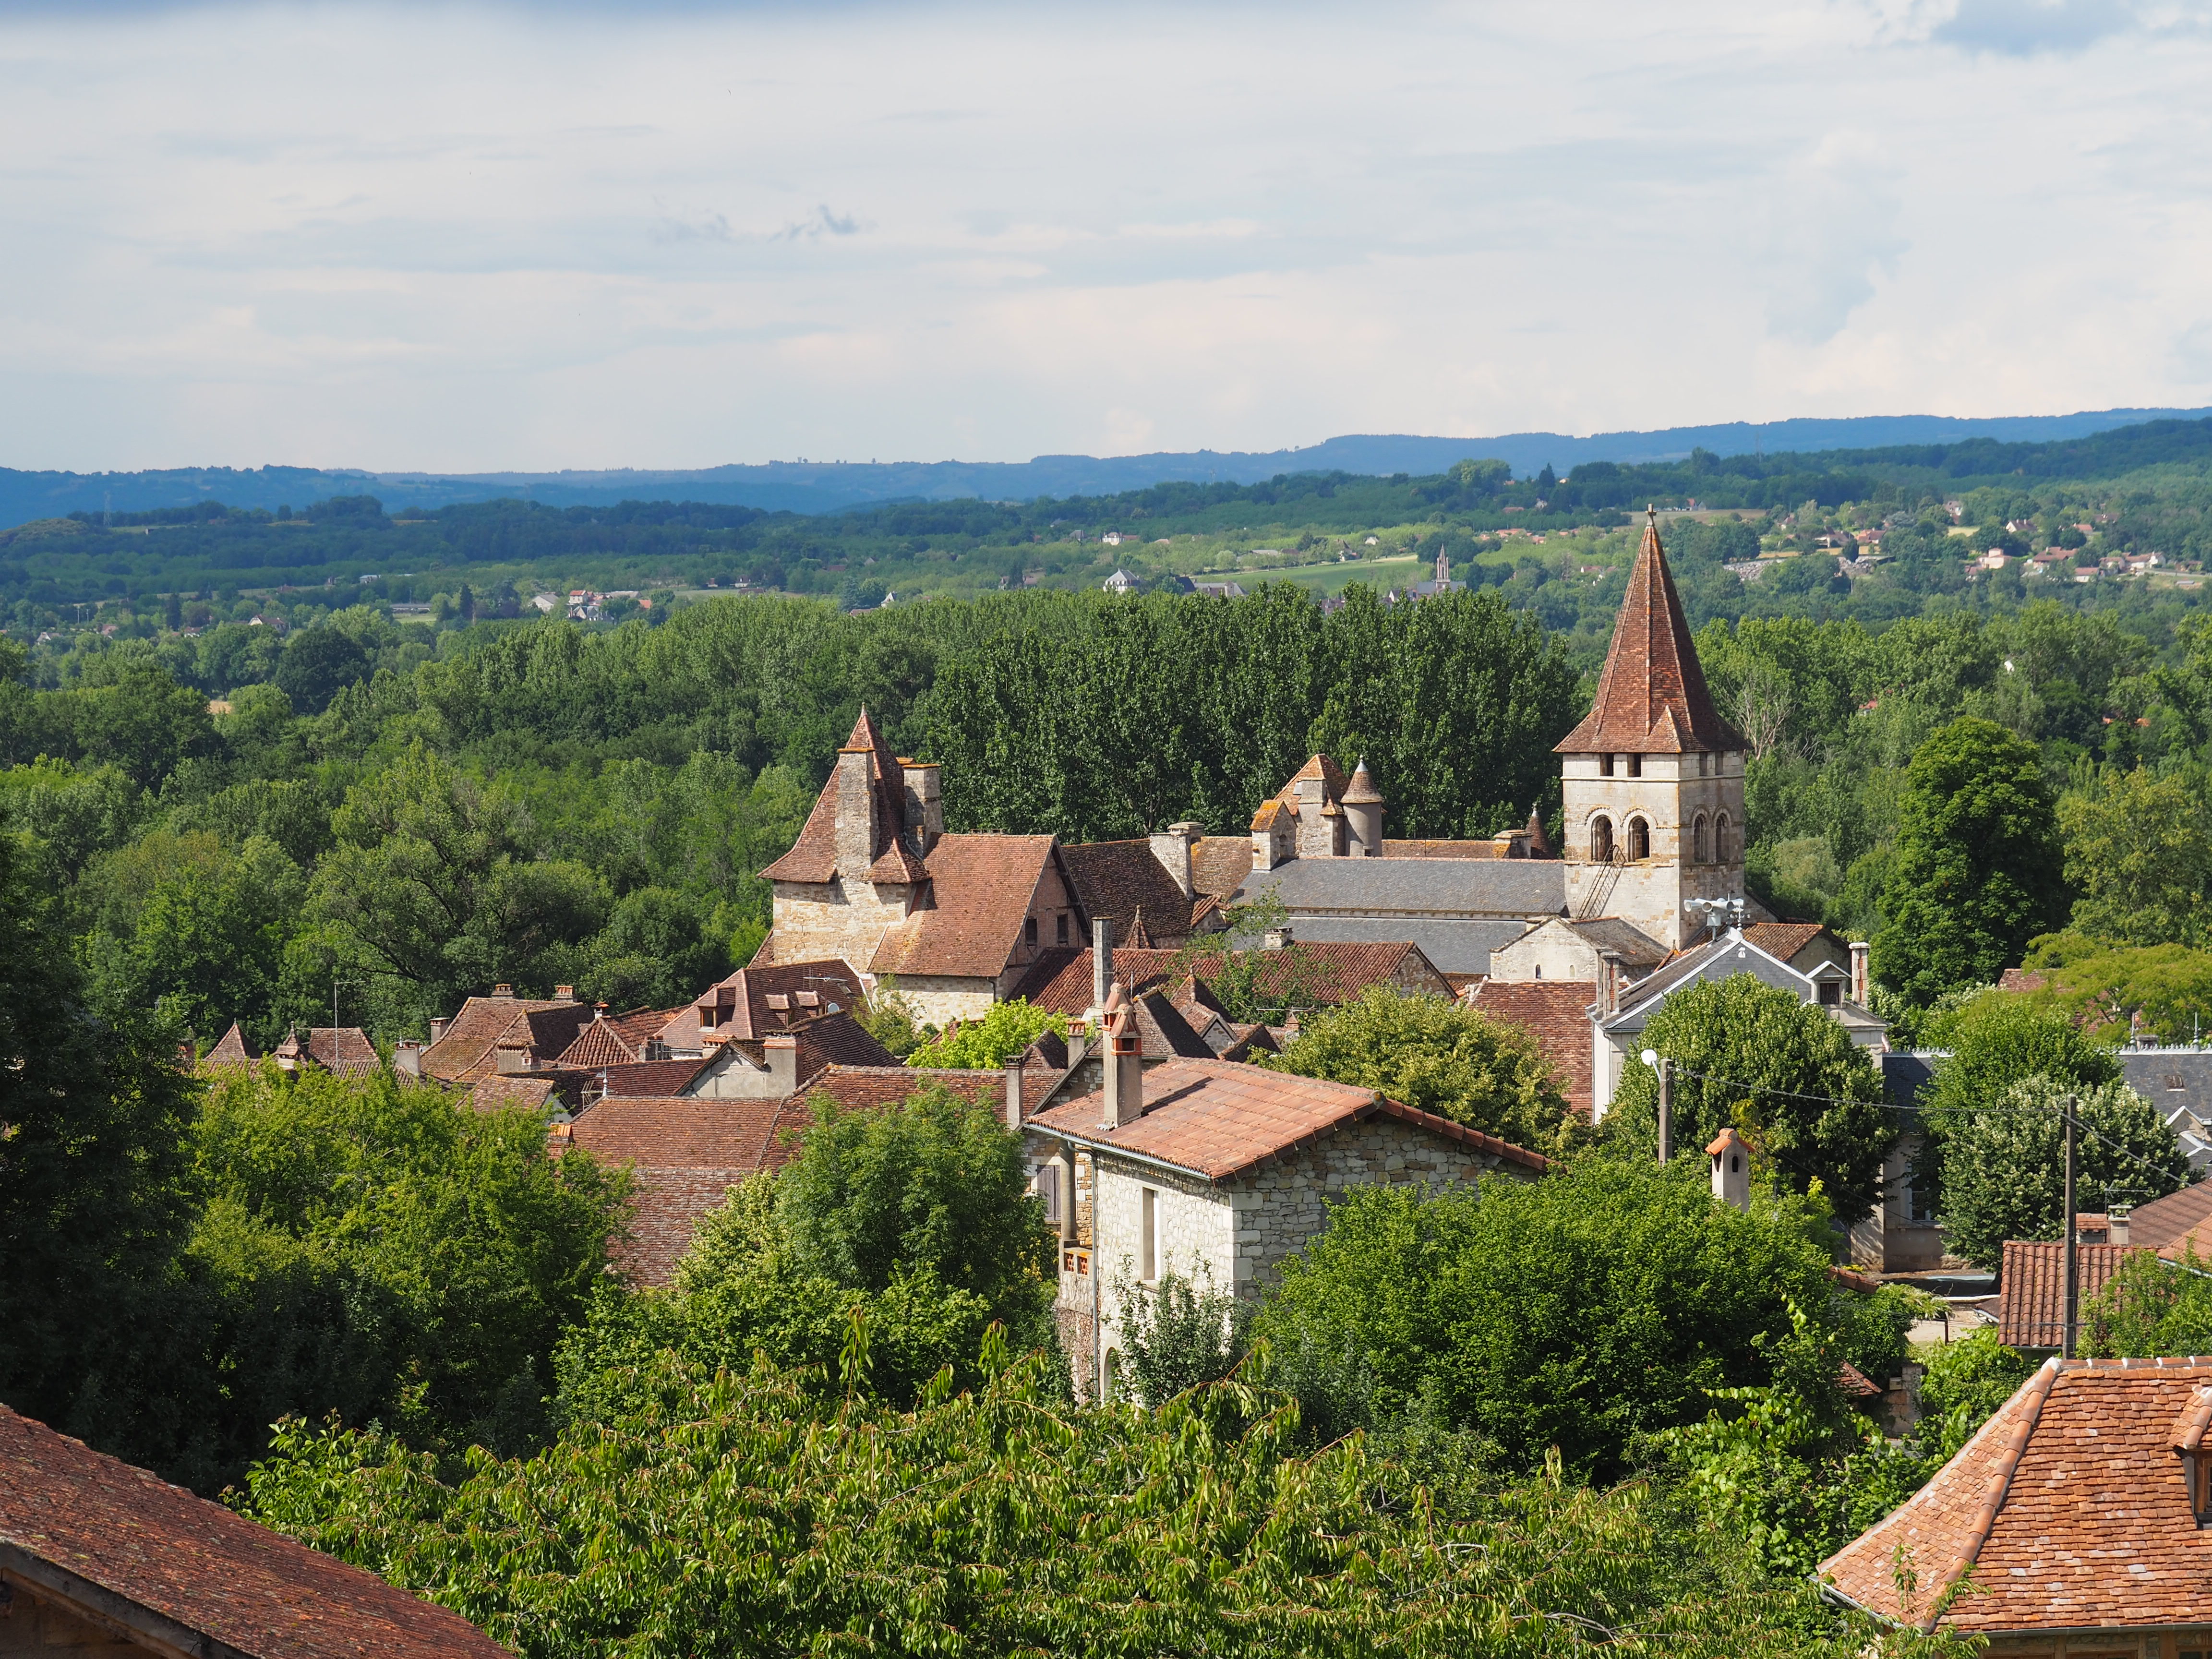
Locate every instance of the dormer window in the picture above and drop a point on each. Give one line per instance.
(1830, 993)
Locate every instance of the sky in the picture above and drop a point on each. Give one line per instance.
(462, 237)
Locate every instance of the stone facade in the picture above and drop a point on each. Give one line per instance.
(1646, 833)
(844, 917)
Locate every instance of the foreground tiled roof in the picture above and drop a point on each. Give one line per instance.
(2032, 1287)
(1118, 879)
(1219, 1118)
(2070, 1505)
(1556, 1012)
(980, 889)
(189, 1573)
(1652, 697)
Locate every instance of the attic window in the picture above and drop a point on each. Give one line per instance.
(1831, 993)
(779, 1001)
(2175, 1081)
(1029, 930)
(1059, 928)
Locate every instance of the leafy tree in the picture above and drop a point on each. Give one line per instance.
(2105, 991)
(1979, 869)
(2139, 852)
(1782, 1072)
(890, 1018)
(1001, 1517)
(1577, 1312)
(2150, 1306)
(1179, 1333)
(1006, 1029)
(934, 1182)
(2003, 1163)
(317, 664)
(1435, 1056)
(95, 1189)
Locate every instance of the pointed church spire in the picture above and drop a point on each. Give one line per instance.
(1652, 698)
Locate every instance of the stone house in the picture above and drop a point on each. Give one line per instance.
(503, 1033)
(2083, 1510)
(1215, 1171)
(101, 1560)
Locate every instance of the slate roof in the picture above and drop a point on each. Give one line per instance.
(1118, 878)
(469, 1049)
(1374, 888)
(1635, 947)
(1652, 697)
(189, 1573)
(2032, 1286)
(1220, 1119)
(979, 891)
(1556, 1012)
(2071, 1504)
(1452, 945)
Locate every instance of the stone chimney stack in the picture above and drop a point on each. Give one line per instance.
(855, 781)
(1362, 815)
(925, 808)
(438, 1027)
(780, 1055)
(1173, 850)
(1608, 974)
(1860, 953)
(1123, 1096)
(1731, 1158)
(1014, 1092)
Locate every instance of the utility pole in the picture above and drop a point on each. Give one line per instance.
(1666, 1112)
(2073, 1278)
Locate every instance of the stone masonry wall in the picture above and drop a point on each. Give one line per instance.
(816, 922)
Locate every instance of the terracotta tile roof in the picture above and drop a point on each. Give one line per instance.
(1331, 774)
(1652, 697)
(1335, 971)
(684, 1154)
(344, 1050)
(1270, 810)
(2032, 1286)
(1117, 879)
(1361, 790)
(840, 1040)
(646, 1078)
(1556, 1012)
(469, 1049)
(765, 997)
(2071, 1504)
(872, 1088)
(1219, 1119)
(1220, 864)
(1783, 939)
(813, 856)
(616, 1039)
(980, 889)
(189, 1573)
(2167, 1221)
(490, 1094)
(231, 1049)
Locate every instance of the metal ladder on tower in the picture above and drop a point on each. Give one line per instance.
(1600, 891)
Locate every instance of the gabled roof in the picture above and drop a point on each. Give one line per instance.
(469, 1049)
(764, 998)
(1320, 769)
(1556, 1012)
(683, 1155)
(2167, 1221)
(101, 1537)
(2032, 1279)
(980, 889)
(1783, 939)
(2070, 1504)
(1652, 697)
(1117, 879)
(344, 1050)
(615, 1039)
(1220, 1119)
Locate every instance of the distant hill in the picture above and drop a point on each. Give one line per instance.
(830, 486)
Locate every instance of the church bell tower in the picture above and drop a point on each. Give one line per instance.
(1653, 778)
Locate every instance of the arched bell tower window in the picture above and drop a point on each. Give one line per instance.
(1721, 839)
(1639, 840)
(1701, 841)
(1601, 840)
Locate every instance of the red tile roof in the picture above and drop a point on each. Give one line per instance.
(1556, 1012)
(230, 1050)
(2032, 1287)
(813, 856)
(1119, 880)
(469, 1049)
(980, 889)
(2070, 1504)
(616, 1039)
(344, 1050)
(1439, 849)
(765, 997)
(489, 1094)
(1652, 697)
(1783, 939)
(2167, 1221)
(1219, 1119)
(189, 1573)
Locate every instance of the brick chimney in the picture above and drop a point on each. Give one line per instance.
(1860, 952)
(1608, 982)
(781, 1056)
(1173, 851)
(564, 993)
(1123, 1095)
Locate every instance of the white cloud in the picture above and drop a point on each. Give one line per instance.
(389, 235)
